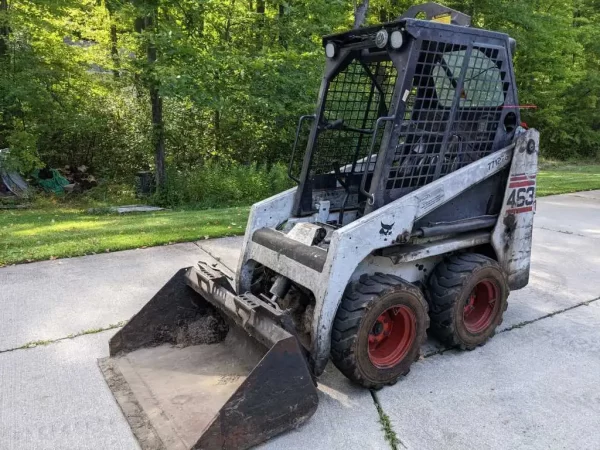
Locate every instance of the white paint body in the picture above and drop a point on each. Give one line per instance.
(352, 247)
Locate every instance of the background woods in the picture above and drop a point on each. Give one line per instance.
(121, 85)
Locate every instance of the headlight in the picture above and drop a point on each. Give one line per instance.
(396, 39)
(381, 39)
(330, 49)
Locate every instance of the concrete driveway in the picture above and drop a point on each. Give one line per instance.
(535, 385)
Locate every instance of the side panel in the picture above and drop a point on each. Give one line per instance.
(268, 213)
(512, 235)
(413, 272)
(382, 228)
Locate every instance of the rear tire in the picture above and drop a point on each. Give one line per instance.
(468, 296)
(378, 330)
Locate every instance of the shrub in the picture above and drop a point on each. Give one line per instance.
(218, 185)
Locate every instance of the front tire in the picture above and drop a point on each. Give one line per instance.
(378, 330)
(468, 295)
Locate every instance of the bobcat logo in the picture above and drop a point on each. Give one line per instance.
(386, 230)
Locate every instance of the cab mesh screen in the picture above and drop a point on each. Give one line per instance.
(356, 98)
(452, 113)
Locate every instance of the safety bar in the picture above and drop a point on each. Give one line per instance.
(363, 182)
(298, 129)
(340, 125)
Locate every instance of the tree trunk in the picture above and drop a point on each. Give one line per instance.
(383, 15)
(260, 11)
(282, 24)
(392, 11)
(4, 29)
(201, 21)
(217, 131)
(360, 13)
(158, 129)
(227, 36)
(156, 102)
(114, 39)
(158, 135)
(114, 50)
(6, 108)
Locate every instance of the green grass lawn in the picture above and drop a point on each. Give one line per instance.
(38, 234)
(59, 231)
(562, 179)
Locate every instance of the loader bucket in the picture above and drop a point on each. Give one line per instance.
(187, 376)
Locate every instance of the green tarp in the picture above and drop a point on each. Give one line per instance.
(55, 184)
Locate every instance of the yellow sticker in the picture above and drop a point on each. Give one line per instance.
(443, 18)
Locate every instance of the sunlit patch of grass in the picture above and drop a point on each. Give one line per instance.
(71, 226)
(35, 235)
(568, 178)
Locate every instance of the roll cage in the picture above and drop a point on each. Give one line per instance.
(392, 118)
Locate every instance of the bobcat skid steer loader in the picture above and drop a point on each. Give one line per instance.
(413, 210)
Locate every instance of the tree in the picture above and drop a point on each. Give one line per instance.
(360, 13)
(225, 80)
(4, 28)
(111, 6)
(147, 25)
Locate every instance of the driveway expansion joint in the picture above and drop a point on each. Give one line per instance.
(521, 324)
(43, 343)
(386, 425)
(549, 315)
(570, 233)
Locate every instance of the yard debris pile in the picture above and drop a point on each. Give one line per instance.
(11, 183)
(58, 181)
(66, 180)
(50, 180)
(80, 177)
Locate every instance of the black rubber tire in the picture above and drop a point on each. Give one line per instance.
(361, 305)
(449, 289)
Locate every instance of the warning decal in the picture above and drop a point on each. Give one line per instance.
(443, 18)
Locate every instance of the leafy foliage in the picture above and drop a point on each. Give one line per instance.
(217, 185)
(234, 76)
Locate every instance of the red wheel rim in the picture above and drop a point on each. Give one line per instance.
(481, 305)
(391, 336)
